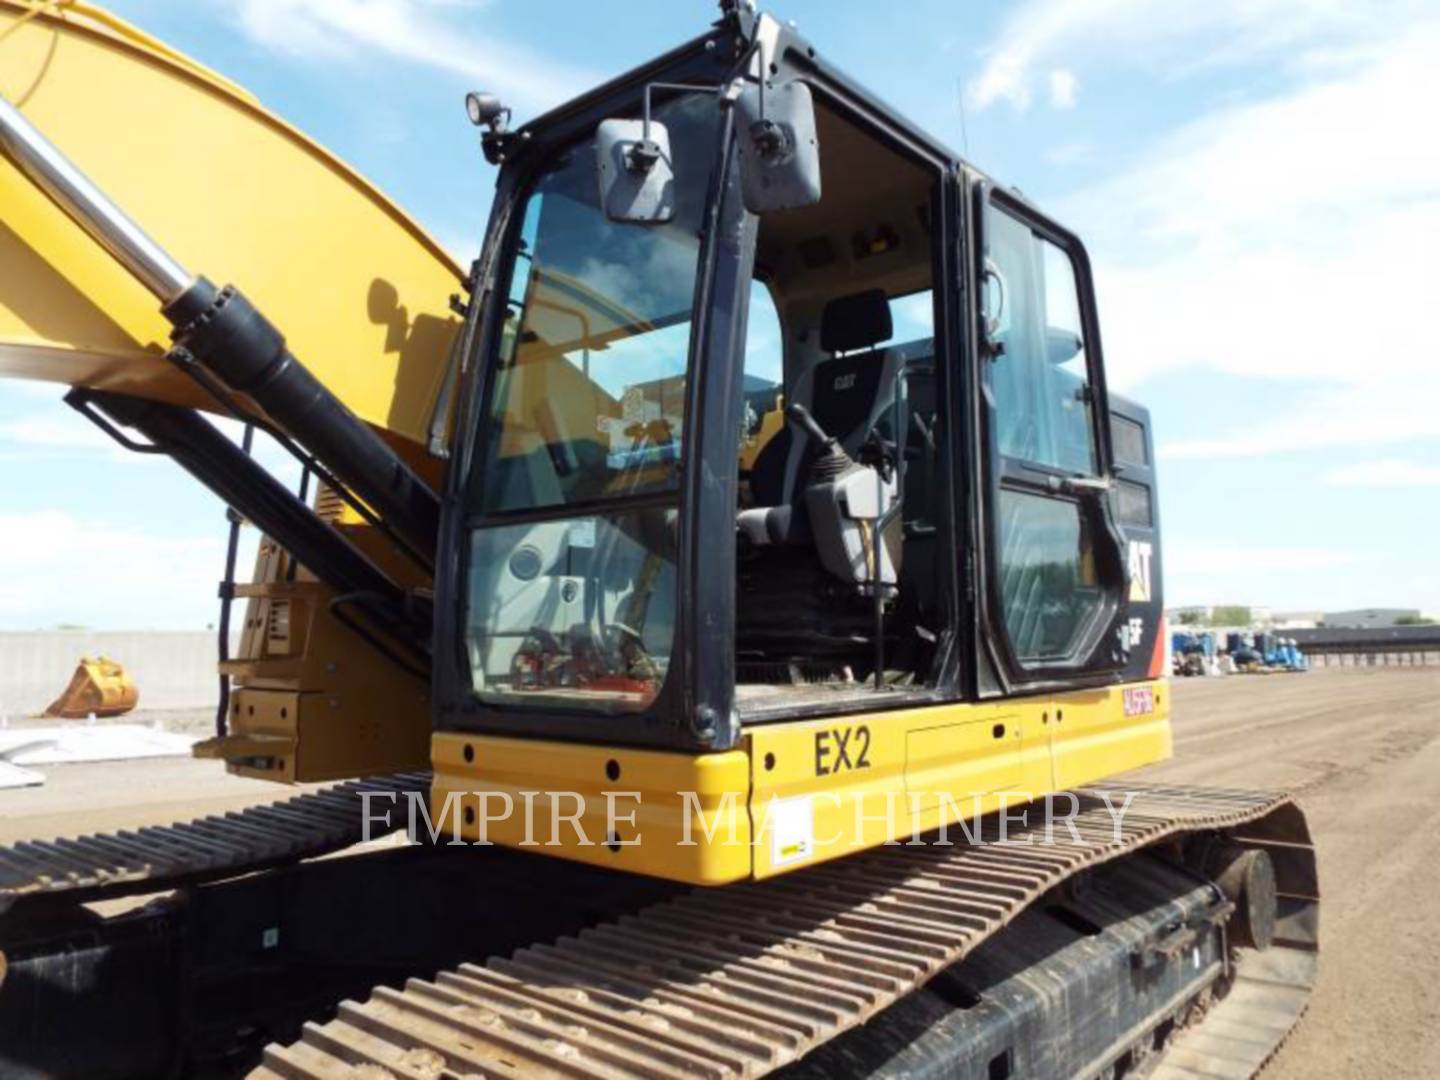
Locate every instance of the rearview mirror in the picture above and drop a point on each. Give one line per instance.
(636, 175)
(779, 153)
(1062, 346)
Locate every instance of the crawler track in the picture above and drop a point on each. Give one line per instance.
(742, 980)
(108, 865)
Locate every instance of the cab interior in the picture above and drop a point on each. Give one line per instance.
(841, 325)
(572, 587)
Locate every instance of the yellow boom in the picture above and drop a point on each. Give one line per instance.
(220, 183)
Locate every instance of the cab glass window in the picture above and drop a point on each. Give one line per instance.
(1038, 377)
(588, 398)
(1037, 371)
(571, 593)
(761, 417)
(1047, 575)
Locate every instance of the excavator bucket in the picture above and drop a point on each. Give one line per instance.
(99, 687)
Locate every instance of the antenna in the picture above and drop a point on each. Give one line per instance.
(964, 131)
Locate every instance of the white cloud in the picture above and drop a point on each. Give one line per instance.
(64, 564)
(1336, 153)
(1287, 238)
(31, 388)
(1168, 40)
(1072, 153)
(61, 568)
(1390, 473)
(1282, 575)
(54, 429)
(1063, 88)
(1193, 558)
(1379, 414)
(47, 431)
(429, 33)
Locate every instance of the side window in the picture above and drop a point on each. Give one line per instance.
(764, 378)
(1051, 546)
(1048, 578)
(1038, 373)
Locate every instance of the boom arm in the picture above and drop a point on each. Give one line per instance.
(89, 298)
(234, 342)
(217, 182)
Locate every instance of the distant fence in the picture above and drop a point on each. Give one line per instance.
(174, 669)
(1385, 647)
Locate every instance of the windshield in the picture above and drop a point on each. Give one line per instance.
(589, 391)
(586, 414)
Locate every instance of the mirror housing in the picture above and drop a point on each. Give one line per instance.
(634, 170)
(1061, 346)
(779, 151)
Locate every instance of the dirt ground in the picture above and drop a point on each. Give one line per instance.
(1361, 746)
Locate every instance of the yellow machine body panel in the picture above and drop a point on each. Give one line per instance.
(230, 191)
(797, 793)
(678, 816)
(308, 700)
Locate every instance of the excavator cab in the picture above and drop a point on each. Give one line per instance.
(773, 409)
(773, 462)
(932, 340)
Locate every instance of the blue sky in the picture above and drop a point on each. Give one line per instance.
(1258, 184)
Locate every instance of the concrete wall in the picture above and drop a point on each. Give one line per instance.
(174, 669)
(1369, 618)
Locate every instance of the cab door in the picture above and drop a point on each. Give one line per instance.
(1052, 577)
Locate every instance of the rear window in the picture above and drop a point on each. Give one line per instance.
(1135, 504)
(1128, 438)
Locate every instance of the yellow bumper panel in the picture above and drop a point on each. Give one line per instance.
(796, 793)
(684, 818)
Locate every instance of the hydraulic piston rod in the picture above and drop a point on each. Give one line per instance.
(72, 191)
(232, 340)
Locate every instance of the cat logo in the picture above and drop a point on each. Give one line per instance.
(1140, 553)
(845, 382)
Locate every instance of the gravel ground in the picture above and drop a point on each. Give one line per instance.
(180, 721)
(1361, 746)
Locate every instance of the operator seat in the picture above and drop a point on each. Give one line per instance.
(848, 395)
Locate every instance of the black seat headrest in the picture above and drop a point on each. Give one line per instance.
(857, 321)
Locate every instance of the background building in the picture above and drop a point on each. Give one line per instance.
(1372, 618)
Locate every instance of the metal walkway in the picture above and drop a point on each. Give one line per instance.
(738, 981)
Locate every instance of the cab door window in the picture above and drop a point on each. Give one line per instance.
(1038, 375)
(1050, 532)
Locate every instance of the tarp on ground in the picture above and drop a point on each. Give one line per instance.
(12, 776)
(74, 744)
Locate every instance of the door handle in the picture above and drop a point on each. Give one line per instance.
(1078, 485)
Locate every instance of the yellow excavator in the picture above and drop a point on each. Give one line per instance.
(738, 588)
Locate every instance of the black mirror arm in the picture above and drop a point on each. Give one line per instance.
(645, 107)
